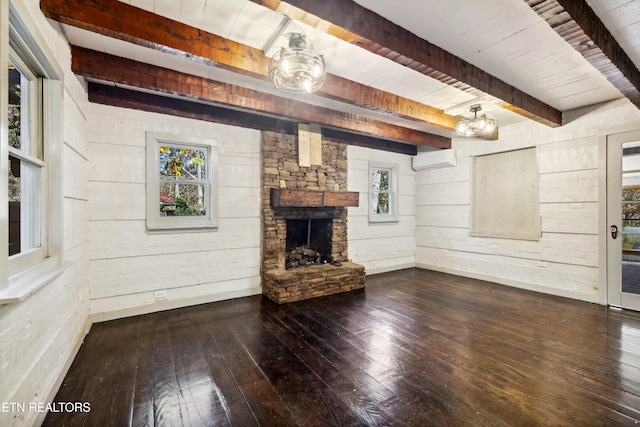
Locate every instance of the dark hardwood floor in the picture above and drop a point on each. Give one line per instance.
(416, 348)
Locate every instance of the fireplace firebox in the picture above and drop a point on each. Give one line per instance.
(308, 242)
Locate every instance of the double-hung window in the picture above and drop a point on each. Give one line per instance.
(31, 160)
(181, 183)
(27, 167)
(383, 192)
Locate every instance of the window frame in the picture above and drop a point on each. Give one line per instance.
(171, 224)
(393, 215)
(20, 38)
(32, 155)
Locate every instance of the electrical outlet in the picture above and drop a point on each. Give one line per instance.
(160, 295)
(543, 264)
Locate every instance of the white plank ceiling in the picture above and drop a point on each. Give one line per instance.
(505, 38)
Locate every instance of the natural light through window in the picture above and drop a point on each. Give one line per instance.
(27, 238)
(383, 192)
(181, 184)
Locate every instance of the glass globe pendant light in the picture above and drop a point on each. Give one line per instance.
(297, 69)
(476, 126)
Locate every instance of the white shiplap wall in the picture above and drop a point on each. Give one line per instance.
(381, 247)
(40, 336)
(568, 259)
(127, 264)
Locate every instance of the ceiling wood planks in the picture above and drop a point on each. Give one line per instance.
(353, 23)
(122, 21)
(576, 22)
(109, 68)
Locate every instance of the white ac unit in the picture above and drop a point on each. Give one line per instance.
(434, 159)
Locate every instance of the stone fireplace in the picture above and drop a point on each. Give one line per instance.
(304, 214)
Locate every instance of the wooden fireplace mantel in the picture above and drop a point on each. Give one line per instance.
(285, 198)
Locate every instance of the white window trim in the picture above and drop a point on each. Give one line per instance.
(28, 257)
(172, 224)
(393, 215)
(18, 30)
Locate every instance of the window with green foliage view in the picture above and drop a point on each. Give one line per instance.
(181, 184)
(383, 193)
(183, 181)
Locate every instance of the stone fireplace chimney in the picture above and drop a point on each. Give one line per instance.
(292, 196)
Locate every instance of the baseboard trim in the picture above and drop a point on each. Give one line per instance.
(173, 304)
(379, 270)
(513, 283)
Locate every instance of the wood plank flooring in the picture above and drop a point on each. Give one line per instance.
(415, 348)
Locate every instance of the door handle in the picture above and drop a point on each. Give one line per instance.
(614, 232)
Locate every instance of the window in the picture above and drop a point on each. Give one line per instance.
(31, 161)
(383, 192)
(27, 178)
(181, 184)
(505, 195)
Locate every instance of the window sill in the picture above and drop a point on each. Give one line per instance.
(24, 284)
(383, 219)
(173, 230)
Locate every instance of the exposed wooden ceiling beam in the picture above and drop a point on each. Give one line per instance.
(576, 22)
(353, 23)
(122, 21)
(125, 98)
(109, 68)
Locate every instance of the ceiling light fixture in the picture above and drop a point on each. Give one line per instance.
(476, 126)
(297, 69)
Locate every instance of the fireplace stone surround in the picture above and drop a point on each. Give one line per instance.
(292, 192)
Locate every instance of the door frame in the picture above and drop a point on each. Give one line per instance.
(614, 294)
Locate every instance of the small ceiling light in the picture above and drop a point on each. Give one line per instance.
(297, 69)
(476, 126)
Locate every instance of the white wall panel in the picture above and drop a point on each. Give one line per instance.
(126, 239)
(40, 335)
(578, 249)
(381, 247)
(566, 260)
(127, 264)
(573, 186)
(457, 216)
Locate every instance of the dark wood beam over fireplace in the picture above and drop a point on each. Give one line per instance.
(285, 198)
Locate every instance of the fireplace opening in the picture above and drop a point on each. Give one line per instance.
(308, 242)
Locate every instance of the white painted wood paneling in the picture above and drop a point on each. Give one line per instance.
(578, 218)
(566, 259)
(127, 264)
(125, 239)
(142, 303)
(381, 247)
(132, 275)
(574, 186)
(76, 169)
(454, 193)
(579, 249)
(40, 336)
(456, 216)
(558, 279)
(572, 155)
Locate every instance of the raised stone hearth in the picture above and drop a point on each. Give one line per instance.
(282, 285)
(291, 194)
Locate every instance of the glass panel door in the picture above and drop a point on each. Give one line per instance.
(623, 213)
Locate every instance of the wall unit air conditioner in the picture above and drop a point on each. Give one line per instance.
(434, 159)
